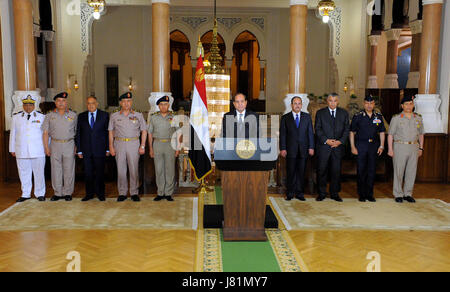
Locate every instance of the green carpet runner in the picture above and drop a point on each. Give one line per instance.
(246, 256)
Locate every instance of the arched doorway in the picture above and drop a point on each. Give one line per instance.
(246, 70)
(180, 68)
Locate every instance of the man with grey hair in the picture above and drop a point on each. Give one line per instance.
(332, 131)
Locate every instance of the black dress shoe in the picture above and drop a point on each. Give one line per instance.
(135, 198)
(121, 198)
(87, 198)
(300, 197)
(371, 199)
(362, 200)
(68, 198)
(336, 198)
(320, 198)
(169, 198)
(101, 198)
(21, 200)
(399, 200)
(288, 198)
(158, 198)
(55, 198)
(409, 199)
(41, 199)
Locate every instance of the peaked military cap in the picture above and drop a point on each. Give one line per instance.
(28, 100)
(127, 95)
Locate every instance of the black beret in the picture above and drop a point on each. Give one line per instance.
(407, 99)
(369, 98)
(163, 99)
(61, 95)
(127, 95)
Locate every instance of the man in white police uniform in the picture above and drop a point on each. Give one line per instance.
(26, 145)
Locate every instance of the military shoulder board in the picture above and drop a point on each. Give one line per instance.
(18, 113)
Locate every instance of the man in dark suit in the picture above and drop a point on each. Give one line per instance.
(92, 147)
(296, 142)
(240, 123)
(332, 131)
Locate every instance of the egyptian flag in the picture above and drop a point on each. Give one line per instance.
(200, 150)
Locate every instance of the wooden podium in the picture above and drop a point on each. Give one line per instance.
(245, 179)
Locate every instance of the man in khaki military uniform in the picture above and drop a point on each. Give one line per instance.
(125, 128)
(406, 137)
(160, 132)
(60, 125)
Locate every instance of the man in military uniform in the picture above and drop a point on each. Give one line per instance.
(367, 136)
(125, 128)
(60, 125)
(25, 144)
(406, 137)
(160, 132)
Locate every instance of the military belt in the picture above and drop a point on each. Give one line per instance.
(61, 141)
(127, 139)
(406, 143)
(162, 140)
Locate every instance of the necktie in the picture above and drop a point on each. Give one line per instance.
(92, 121)
(333, 114)
(240, 127)
(29, 116)
(297, 121)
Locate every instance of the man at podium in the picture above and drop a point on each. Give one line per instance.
(240, 122)
(245, 163)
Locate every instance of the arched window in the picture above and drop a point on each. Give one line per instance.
(245, 70)
(180, 68)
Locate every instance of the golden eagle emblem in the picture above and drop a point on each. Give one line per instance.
(199, 75)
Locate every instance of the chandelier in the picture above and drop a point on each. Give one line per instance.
(97, 5)
(326, 7)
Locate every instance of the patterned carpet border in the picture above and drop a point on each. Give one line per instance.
(287, 255)
(110, 215)
(296, 220)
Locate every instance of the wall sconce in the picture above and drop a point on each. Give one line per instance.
(326, 7)
(348, 85)
(98, 6)
(130, 84)
(76, 86)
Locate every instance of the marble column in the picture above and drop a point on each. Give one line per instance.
(391, 77)
(25, 54)
(414, 74)
(262, 89)
(297, 55)
(160, 53)
(428, 101)
(373, 82)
